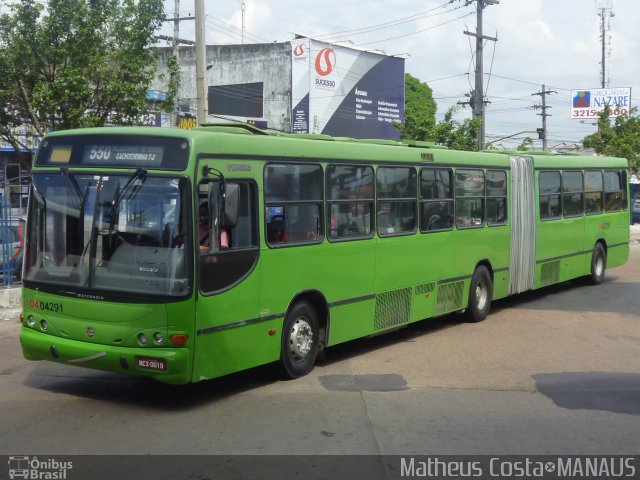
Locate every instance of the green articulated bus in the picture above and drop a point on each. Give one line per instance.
(187, 255)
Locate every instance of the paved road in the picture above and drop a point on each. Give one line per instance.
(553, 372)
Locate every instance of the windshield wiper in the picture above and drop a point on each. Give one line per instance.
(139, 174)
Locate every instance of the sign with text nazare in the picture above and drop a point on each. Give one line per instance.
(586, 104)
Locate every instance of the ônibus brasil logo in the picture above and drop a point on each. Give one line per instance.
(325, 61)
(299, 50)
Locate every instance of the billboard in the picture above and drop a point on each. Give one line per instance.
(586, 104)
(341, 91)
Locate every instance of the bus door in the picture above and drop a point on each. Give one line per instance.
(523, 225)
(229, 335)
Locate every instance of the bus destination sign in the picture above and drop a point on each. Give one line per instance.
(105, 149)
(136, 155)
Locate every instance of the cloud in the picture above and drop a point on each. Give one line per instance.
(539, 41)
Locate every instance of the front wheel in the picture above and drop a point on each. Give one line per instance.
(299, 340)
(480, 294)
(598, 264)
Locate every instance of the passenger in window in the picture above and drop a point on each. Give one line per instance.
(439, 216)
(203, 230)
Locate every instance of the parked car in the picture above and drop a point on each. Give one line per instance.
(635, 211)
(12, 245)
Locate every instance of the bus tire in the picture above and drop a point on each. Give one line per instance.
(598, 264)
(299, 340)
(480, 294)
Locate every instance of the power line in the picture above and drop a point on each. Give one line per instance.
(228, 27)
(525, 81)
(399, 20)
(384, 26)
(417, 31)
(446, 78)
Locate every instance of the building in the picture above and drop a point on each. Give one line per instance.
(302, 86)
(14, 176)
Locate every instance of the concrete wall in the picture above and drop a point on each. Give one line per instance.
(269, 63)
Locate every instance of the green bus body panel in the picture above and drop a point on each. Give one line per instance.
(368, 286)
(37, 346)
(115, 328)
(112, 323)
(219, 352)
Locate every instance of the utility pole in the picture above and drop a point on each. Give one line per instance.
(243, 7)
(606, 12)
(176, 49)
(201, 60)
(477, 100)
(176, 41)
(542, 132)
(176, 30)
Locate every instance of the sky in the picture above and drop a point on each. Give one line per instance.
(551, 42)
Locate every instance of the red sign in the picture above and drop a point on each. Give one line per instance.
(299, 50)
(325, 61)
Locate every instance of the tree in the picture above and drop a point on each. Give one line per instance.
(527, 144)
(420, 119)
(457, 135)
(622, 139)
(79, 63)
(419, 110)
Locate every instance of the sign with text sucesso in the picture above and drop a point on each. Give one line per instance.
(345, 92)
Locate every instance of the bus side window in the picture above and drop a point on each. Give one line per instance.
(612, 191)
(241, 234)
(396, 197)
(549, 190)
(496, 186)
(350, 202)
(593, 188)
(470, 196)
(294, 198)
(572, 196)
(436, 199)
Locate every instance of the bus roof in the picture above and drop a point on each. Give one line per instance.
(237, 139)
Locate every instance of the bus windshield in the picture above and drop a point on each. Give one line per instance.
(112, 233)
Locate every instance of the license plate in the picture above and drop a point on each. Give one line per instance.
(148, 363)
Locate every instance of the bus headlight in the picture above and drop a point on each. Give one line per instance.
(44, 325)
(31, 320)
(158, 338)
(142, 338)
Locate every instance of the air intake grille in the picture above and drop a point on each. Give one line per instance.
(550, 273)
(392, 309)
(425, 288)
(449, 297)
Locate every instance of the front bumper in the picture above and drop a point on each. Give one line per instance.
(42, 346)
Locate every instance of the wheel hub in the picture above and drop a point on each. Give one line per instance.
(481, 294)
(301, 339)
(599, 266)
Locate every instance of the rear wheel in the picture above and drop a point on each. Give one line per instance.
(299, 340)
(480, 294)
(598, 264)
